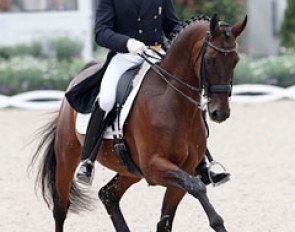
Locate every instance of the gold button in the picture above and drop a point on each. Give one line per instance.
(156, 16)
(139, 19)
(140, 31)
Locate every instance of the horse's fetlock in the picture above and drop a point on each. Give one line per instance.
(164, 225)
(59, 215)
(216, 222)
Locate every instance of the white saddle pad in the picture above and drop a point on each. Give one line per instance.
(83, 119)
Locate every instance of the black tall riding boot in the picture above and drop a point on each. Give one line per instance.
(208, 176)
(91, 146)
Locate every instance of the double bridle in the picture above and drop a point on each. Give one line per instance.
(219, 88)
(203, 80)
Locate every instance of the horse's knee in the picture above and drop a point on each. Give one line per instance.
(165, 177)
(197, 188)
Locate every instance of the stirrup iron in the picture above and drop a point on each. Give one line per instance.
(83, 179)
(213, 163)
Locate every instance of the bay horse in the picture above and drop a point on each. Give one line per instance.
(165, 129)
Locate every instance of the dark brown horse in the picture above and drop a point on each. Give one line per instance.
(165, 130)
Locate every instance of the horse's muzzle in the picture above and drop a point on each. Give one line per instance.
(218, 115)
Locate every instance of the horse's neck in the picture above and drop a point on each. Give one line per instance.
(175, 90)
(180, 57)
(179, 63)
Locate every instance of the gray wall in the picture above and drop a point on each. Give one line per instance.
(265, 17)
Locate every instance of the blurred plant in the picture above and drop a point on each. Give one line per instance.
(33, 49)
(287, 31)
(227, 10)
(66, 48)
(62, 48)
(26, 73)
(275, 70)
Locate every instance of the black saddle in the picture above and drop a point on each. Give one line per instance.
(124, 88)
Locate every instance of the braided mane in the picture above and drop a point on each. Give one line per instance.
(186, 23)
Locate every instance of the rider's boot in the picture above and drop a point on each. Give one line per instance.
(208, 177)
(91, 146)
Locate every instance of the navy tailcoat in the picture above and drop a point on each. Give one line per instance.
(145, 20)
(117, 21)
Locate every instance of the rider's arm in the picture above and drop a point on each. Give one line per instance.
(171, 20)
(104, 24)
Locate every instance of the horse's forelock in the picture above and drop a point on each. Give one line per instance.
(225, 28)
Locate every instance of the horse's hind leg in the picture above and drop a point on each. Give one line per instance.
(171, 200)
(67, 151)
(111, 194)
(63, 185)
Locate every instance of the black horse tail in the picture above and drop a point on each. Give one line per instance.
(45, 178)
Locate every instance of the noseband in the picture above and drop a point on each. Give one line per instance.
(208, 88)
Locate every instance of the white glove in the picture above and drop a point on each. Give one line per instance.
(136, 47)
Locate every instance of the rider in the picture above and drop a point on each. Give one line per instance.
(127, 28)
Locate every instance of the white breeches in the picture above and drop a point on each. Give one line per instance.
(120, 63)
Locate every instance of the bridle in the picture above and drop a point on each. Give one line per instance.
(209, 88)
(203, 80)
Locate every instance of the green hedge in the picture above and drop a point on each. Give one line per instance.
(33, 49)
(276, 70)
(61, 48)
(26, 73)
(228, 10)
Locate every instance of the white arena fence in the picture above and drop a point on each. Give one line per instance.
(51, 99)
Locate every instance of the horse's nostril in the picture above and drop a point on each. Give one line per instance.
(215, 114)
(219, 115)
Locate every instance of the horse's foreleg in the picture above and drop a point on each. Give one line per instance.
(197, 188)
(111, 194)
(169, 175)
(171, 200)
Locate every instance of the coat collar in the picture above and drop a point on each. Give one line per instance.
(144, 5)
(138, 3)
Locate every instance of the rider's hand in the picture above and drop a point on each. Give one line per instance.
(136, 47)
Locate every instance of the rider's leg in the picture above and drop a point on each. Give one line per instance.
(91, 144)
(118, 65)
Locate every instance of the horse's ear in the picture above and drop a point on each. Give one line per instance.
(239, 28)
(213, 24)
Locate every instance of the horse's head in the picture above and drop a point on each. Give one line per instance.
(218, 58)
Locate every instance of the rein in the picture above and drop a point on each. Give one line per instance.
(203, 80)
(159, 70)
